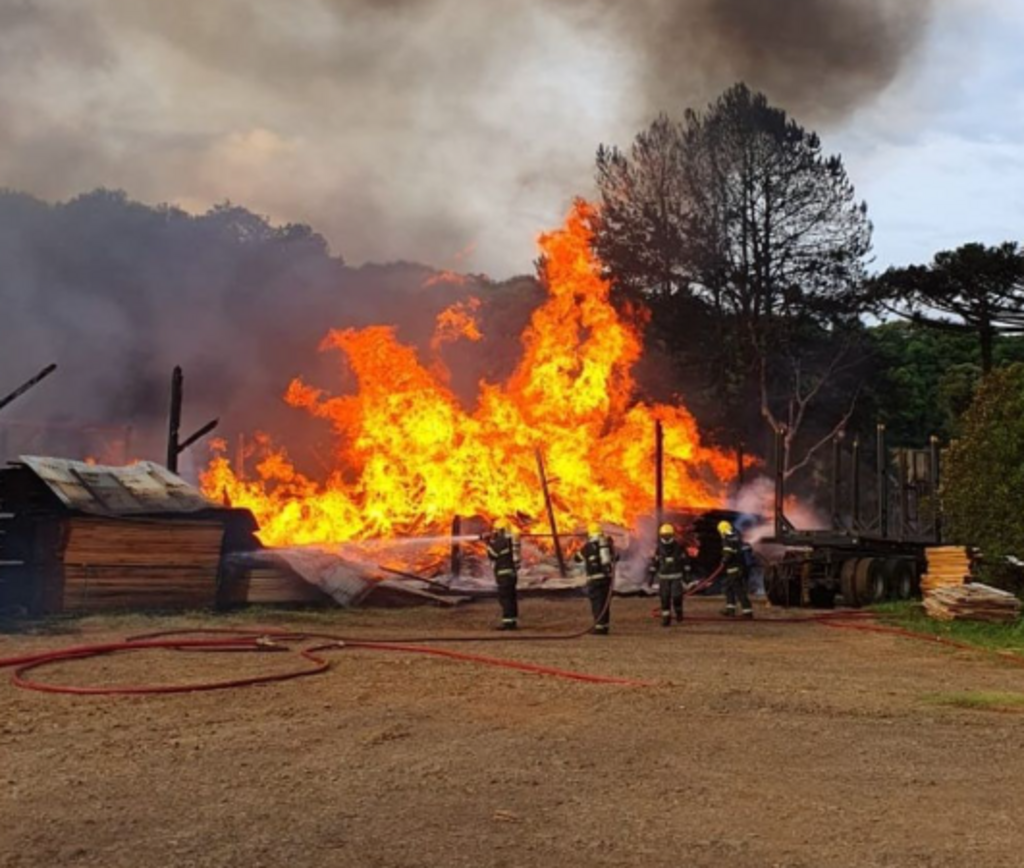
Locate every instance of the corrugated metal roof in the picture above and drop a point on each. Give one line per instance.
(144, 488)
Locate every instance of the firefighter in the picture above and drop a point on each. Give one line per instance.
(598, 557)
(734, 570)
(503, 549)
(671, 566)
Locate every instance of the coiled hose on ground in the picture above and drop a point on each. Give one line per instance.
(282, 641)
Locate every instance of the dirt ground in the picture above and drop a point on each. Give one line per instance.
(760, 745)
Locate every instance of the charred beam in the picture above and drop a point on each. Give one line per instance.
(551, 514)
(781, 524)
(837, 469)
(175, 446)
(456, 555)
(904, 485)
(855, 485)
(659, 473)
(174, 420)
(198, 435)
(934, 471)
(883, 482)
(29, 384)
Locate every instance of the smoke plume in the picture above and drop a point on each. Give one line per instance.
(399, 129)
(404, 128)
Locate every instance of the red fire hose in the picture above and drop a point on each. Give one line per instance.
(239, 640)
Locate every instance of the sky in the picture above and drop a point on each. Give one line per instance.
(940, 157)
(451, 133)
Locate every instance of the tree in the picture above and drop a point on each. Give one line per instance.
(973, 289)
(738, 208)
(643, 232)
(984, 472)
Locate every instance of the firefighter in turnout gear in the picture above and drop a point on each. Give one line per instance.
(503, 549)
(671, 566)
(734, 571)
(598, 557)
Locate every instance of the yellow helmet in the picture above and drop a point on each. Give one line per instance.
(666, 530)
(593, 529)
(724, 527)
(499, 524)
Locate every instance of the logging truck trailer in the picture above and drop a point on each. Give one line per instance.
(860, 560)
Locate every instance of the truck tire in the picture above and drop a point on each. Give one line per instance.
(822, 597)
(899, 577)
(847, 582)
(870, 581)
(782, 584)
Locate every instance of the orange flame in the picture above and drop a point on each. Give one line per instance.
(452, 278)
(409, 457)
(457, 321)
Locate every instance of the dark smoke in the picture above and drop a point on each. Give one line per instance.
(117, 294)
(819, 59)
(398, 128)
(406, 127)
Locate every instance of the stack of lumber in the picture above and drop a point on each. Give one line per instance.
(948, 567)
(973, 603)
(137, 564)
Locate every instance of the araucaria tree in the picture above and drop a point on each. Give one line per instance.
(738, 210)
(974, 289)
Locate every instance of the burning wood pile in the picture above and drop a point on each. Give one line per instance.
(410, 456)
(973, 603)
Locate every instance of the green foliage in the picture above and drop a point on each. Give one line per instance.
(990, 637)
(984, 474)
(923, 380)
(974, 289)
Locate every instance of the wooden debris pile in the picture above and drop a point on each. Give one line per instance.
(973, 603)
(948, 567)
(313, 577)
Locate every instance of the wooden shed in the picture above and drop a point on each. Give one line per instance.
(77, 537)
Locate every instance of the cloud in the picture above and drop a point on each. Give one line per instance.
(403, 128)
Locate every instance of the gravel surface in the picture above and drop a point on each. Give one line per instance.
(758, 745)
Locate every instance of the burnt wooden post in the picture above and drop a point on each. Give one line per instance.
(175, 446)
(456, 568)
(904, 484)
(837, 470)
(780, 481)
(174, 422)
(659, 473)
(855, 484)
(883, 482)
(933, 454)
(29, 384)
(551, 514)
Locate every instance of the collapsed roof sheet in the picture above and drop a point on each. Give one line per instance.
(144, 488)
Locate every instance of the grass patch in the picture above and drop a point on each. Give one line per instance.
(978, 700)
(991, 637)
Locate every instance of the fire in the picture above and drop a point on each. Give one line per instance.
(457, 321)
(409, 457)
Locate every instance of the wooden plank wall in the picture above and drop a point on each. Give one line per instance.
(139, 564)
